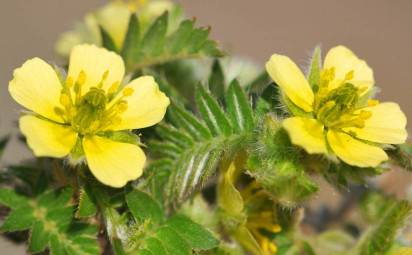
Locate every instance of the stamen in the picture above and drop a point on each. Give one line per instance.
(113, 89)
(349, 76)
(373, 102)
(69, 82)
(65, 100)
(81, 79)
(128, 91)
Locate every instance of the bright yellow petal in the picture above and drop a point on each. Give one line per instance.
(95, 62)
(355, 152)
(113, 163)
(386, 125)
(307, 133)
(114, 18)
(291, 81)
(146, 106)
(345, 61)
(35, 85)
(46, 138)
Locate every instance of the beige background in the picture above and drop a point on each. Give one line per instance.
(379, 31)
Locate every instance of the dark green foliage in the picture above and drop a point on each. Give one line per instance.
(107, 41)
(155, 46)
(217, 80)
(195, 146)
(49, 217)
(157, 235)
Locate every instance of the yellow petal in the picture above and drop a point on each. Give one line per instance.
(113, 163)
(114, 18)
(291, 81)
(46, 138)
(386, 125)
(35, 85)
(95, 62)
(307, 133)
(345, 61)
(355, 152)
(146, 106)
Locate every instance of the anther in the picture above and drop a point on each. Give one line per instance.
(69, 82)
(128, 92)
(65, 100)
(81, 79)
(113, 88)
(373, 102)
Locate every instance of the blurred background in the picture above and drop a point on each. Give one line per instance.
(379, 31)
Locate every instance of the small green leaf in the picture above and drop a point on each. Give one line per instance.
(194, 234)
(155, 246)
(87, 206)
(217, 80)
(239, 108)
(179, 39)
(18, 219)
(212, 113)
(188, 122)
(39, 238)
(144, 207)
(173, 242)
(154, 40)
(11, 199)
(131, 48)
(122, 137)
(315, 68)
(107, 40)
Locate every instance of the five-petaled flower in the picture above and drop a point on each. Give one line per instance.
(336, 115)
(73, 116)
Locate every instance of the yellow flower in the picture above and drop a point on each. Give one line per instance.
(75, 114)
(336, 115)
(114, 18)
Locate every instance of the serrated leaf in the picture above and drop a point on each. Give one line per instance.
(194, 234)
(239, 108)
(130, 50)
(49, 216)
(154, 40)
(179, 39)
(217, 80)
(185, 120)
(212, 113)
(144, 207)
(107, 40)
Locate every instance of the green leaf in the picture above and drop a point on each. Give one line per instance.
(49, 216)
(87, 204)
(130, 50)
(217, 80)
(315, 68)
(189, 123)
(144, 207)
(107, 40)
(153, 42)
(185, 43)
(197, 151)
(173, 242)
(212, 113)
(194, 234)
(239, 108)
(379, 238)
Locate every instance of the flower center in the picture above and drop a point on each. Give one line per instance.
(94, 111)
(338, 107)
